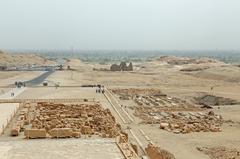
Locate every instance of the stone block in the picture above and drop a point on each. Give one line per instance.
(35, 133)
(163, 125)
(15, 131)
(61, 132)
(76, 134)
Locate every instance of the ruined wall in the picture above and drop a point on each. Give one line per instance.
(122, 67)
(115, 67)
(130, 67)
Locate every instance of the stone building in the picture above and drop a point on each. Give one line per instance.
(130, 67)
(122, 67)
(115, 67)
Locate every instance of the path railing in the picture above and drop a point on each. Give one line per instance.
(69, 100)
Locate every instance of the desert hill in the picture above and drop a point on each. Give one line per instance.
(23, 59)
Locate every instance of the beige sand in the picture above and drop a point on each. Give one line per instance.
(6, 112)
(61, 149)
(223, 78)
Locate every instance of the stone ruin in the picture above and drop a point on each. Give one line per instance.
(181, 121)
(176, 115)
(173, 114)
(131, 93)
(64, 121)
(155, 152)
(129, 150)
(191, 122)
(23, 119)
(122, 67)
(115, 67)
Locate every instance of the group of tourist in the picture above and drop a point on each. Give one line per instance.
(100, 89)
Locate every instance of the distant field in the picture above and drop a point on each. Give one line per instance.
(101, 56)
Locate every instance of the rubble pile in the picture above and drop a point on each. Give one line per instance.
(129, 150)
(172, 114)
(184, 122)
(192, 122)
(135, 92)
(154, 99)
(60, 120)
(155, 152)
(163, 102)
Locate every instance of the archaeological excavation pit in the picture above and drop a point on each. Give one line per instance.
(171, 113)
(89, 121)
(56, 120)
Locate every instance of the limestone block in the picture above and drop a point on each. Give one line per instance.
(61, 132)
(35, 133)
(87, 130)
(163, 125)
(76, 134)
(15, 131)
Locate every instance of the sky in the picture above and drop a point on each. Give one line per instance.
(120, 24)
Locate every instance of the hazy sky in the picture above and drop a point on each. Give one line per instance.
(120, 24)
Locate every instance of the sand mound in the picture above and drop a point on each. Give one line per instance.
(21, 59)
(214, 100)
(226, 73)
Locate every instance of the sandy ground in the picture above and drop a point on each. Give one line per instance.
(7, 109)
(170, 80)
(56, 93)
(184, 145)
(6, 112)
(9, 78)
(61, 149)
(16, 91)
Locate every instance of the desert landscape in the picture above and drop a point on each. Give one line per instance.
(168, 107)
